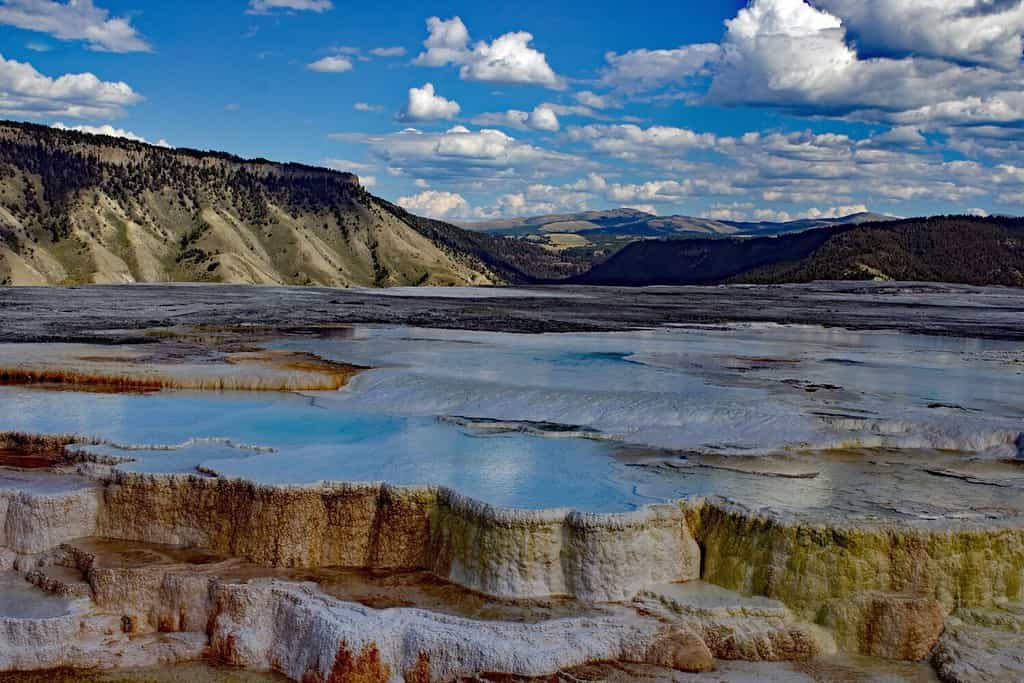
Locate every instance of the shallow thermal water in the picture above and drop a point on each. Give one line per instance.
(21, 600)
(930, 404)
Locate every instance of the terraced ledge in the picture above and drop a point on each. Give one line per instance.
(86, 367)
(882, 590)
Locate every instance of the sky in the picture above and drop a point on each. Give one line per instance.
(758, 110)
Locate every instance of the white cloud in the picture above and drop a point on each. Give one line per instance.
(107, 129)
(74, 20)
(543, 117)
(347, 165)
(901, 136)
(513, 118)
(335, 65)
(424, 105)
(446, 42)
(790, 55)
(367, 181)
(736, 211)
(536, 199)
(436, 204)
(981, 213)
(507, 59)
(588, 98)
(629, 141)
(640, 70)
(387, 51)
(26, 92)
(746, 211)
(997, 108)
(968, 31)
(654, 191)
(593, 182)
(459, 154)
(836, 211)
(268, 6)
(366, 106)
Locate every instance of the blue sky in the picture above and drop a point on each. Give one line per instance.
(767, 109)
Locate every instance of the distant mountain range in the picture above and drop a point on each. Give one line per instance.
(610, 230)
(962, 249)
(80, 208)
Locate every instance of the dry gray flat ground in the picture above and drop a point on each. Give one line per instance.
(77, 313)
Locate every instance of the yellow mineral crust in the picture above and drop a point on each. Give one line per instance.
(880, 589)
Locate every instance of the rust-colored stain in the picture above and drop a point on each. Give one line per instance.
(420, 672)
(223, 649)
(33, 452)
(366, 667)
(271, 371)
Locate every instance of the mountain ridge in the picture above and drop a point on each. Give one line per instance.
(77, 208)
(633, 222)
(960, 249)
(82, 208)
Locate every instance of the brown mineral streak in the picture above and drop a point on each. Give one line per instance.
(271, 371)
(420, 671)
(366, 667)
(30, 451)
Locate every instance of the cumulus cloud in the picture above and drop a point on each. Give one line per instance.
(425, 105)
(641, 70)
(107, 129)
(949, 103)
(446, 42)
(435, 204)
(922, 63)
(269, 6)
(459, 154)
(509, 58)
(967, 31)
(799, 168)
(900, 136)
(589, 98)
(26, 92)
(668, 191)
(836, 211)
(747, 211)
(336, 64)
(513, 118)
(790, 55)
(74, 20)
(543, 117)
(630, 141)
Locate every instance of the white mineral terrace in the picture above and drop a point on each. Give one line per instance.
(671, 499)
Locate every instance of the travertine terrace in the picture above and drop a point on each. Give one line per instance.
(113, 557)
